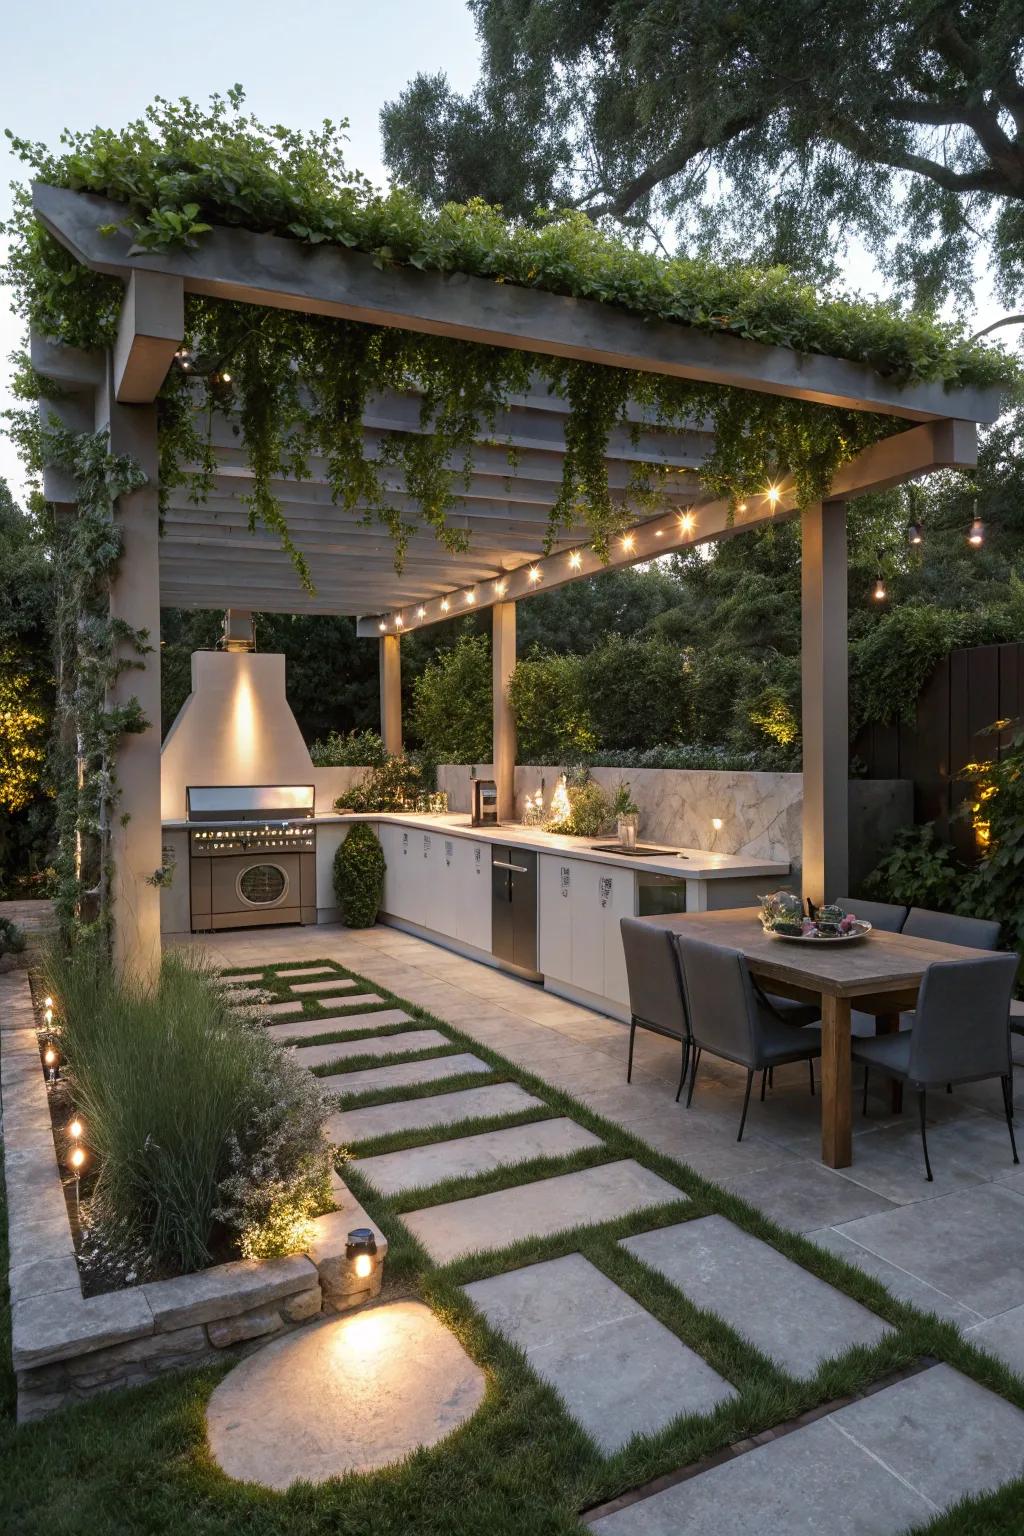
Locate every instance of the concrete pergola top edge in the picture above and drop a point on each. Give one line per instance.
(272, 271)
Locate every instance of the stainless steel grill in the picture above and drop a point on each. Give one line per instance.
(252, 856)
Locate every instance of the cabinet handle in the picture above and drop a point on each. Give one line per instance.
(520, 869)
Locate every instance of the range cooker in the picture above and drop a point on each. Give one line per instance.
(252, 861)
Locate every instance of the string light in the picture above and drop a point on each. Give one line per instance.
(742, 507)
(687, 521)
(471, 596)
(659, 533)
(421, 612)
(534, 574)
(627, 542)
(879, 593)
(500, 585)
(915, 532)
(976, 533)
(576, 560)
(399, 621)
(773, 494)
(445, 605)
(382, 625)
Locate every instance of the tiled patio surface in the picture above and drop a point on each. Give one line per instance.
(950, 1242)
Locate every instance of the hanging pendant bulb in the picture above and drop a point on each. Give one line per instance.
(915, 533)
(976, 532)
(878, 591)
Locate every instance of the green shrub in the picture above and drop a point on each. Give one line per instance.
(199, 1127)
(548, 698)
(359, 877)
(12, 939)
(637, 692)
(359, 749)
(451, 712)
(389, 786)
(591, 810)
(918, 871)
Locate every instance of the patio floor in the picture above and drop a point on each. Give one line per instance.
(955, 1247)
(950, 1247)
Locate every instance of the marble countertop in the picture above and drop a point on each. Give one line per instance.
(683, 863)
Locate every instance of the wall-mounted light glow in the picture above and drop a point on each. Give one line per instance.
(576, 560)
(659, 533)
(445, 605)
(717, 823)
(534, 574)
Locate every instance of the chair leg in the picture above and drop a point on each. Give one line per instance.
(746, 1101)
(949, 1087)
(693, 1077)
(686, 1062)
(771, 1077)
(810, 1063)
(924, 1138)
(1007, 1083)
(864, 1100)
(629, 1063)
(764, 1083)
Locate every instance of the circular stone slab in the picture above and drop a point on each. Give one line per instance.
(345, 1395)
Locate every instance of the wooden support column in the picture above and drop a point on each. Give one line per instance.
(825, 704)
(503, 661)
(136, 843)
(391, 694)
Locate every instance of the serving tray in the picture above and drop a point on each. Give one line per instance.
(860, 930)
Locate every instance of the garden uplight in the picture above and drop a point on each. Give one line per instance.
(75, 1130)
(360, 1249)
(77, 1160)
(47, 1002)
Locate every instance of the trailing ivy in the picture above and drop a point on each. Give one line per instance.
(294, 388)
(92, 652)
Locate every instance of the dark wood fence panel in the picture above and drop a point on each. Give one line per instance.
(968, 692)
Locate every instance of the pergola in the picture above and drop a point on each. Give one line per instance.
(207, 557)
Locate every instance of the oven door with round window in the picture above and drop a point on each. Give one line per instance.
(249, 889)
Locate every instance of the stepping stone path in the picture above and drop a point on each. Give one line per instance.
(783, 1310)
(440, 1109)
(468, 1155)
(403, 1074)
(538, 1209)
(373, 1045)
(331, 984)
(312, 1029)
(617, 1369)
(345, 1395)
(876, 1467)
(238, 981)
(314, 970)
(273, 1010)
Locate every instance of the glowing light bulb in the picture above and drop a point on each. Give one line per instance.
(686, 522)
(628, 541)
(976, 536)
(399, 621)
(421, 613)
(659, 533)
(534, 574)
(717, 823)
(50, 1056)
(773, 494)
(225, 378)
(75, 1130)
(576, 560)
(445, 605)
(363, 1266)
(382, 625)
(879, 594)
(47, 1002)
(499, 586)
(742, 507)
(471, 597)
(77, 1158)
(47, 1017)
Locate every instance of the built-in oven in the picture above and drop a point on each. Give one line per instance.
(252, 855)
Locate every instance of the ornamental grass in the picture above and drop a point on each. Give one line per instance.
(206, 1139)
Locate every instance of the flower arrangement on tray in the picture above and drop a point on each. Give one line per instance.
(783, 916)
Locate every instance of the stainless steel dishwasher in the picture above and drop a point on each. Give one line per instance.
(514, 910)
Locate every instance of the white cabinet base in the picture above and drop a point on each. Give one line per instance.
(605, 1005)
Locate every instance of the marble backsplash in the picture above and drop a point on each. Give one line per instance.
(760, 813)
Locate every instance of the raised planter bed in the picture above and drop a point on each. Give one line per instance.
(67, 1347)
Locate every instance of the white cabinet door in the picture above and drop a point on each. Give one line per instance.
(403, 868)
(440, 910)
(587, 926)
(471, 867)
(556, 891)
(618, 896)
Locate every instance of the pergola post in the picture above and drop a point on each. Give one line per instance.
(503, 661)
(825, 705)
(135, 837)
(391, 694)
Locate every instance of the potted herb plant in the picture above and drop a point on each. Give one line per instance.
(627, 815)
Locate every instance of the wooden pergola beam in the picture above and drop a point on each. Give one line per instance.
(268, 270)
(150, 331)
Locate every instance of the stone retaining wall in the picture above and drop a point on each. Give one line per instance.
(67, 1347)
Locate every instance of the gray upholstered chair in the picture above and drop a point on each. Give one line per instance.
(729, 1019)
(961, 1034)
(655, 988)
(948, 928)
(880, 914)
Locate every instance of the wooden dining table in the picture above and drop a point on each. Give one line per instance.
(879, 974)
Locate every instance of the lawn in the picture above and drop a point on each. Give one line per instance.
(136, 1462)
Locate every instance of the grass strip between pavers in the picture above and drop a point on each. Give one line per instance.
(135, 1463)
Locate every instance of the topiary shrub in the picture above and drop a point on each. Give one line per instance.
(359, 877)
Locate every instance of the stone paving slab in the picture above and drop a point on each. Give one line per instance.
(272, 1010)
(240, 981)
(440, 1109)
(372, 1045)
(403, 1074)
(905, 1286)
(812, 1481)
(968, 1245)
(538, 1209)
(1002, 1336)
(288, 972)
(346, 1395)
(330, 984)
(618, 1370)
(785, 1312)
(467, 1155)
(311, 1029)
(942, 1433)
